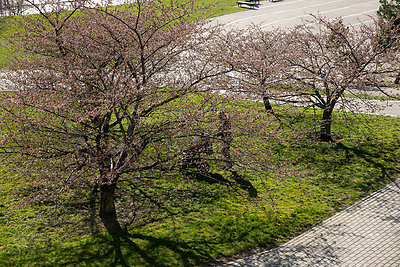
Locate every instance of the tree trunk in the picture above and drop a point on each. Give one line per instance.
(267, 104)
(397, 80)
(226, 135)
(326, 125)
(108, 213)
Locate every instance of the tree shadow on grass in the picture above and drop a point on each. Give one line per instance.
(386, 167)
(103, 250)
(202, 244)
(187, 254)
(216, 178)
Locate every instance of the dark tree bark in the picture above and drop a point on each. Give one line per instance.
(108, 213)
(267, 104)
(326, 122)
(397, 80)
(224, 132)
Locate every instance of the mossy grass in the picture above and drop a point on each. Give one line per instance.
(218, 223)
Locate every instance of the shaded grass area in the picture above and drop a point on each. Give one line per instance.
(219, 224)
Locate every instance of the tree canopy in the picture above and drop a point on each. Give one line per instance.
(114, 102)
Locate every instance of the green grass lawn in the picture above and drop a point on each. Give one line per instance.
(6, 51)
(222, 7)
(217, 223)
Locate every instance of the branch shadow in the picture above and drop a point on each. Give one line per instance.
(315, 248)
(116, 250)
(373, 159)
(216, 178)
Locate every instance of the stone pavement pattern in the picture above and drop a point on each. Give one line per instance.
(365, 234)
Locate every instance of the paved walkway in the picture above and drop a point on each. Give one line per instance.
(374, 107)
(366, 234)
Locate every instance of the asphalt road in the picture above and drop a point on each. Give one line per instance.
(288, 13)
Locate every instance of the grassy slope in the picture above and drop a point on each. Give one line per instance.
(224, 224)
(6, 52)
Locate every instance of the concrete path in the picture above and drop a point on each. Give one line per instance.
(366, 234)
(389, 108)
(5, 84)
(288, 13)
(374, 107)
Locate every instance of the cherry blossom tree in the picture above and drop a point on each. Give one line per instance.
(119, 99)
(313, 65)
(10, 7)
(330, 59)
(255, 57)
